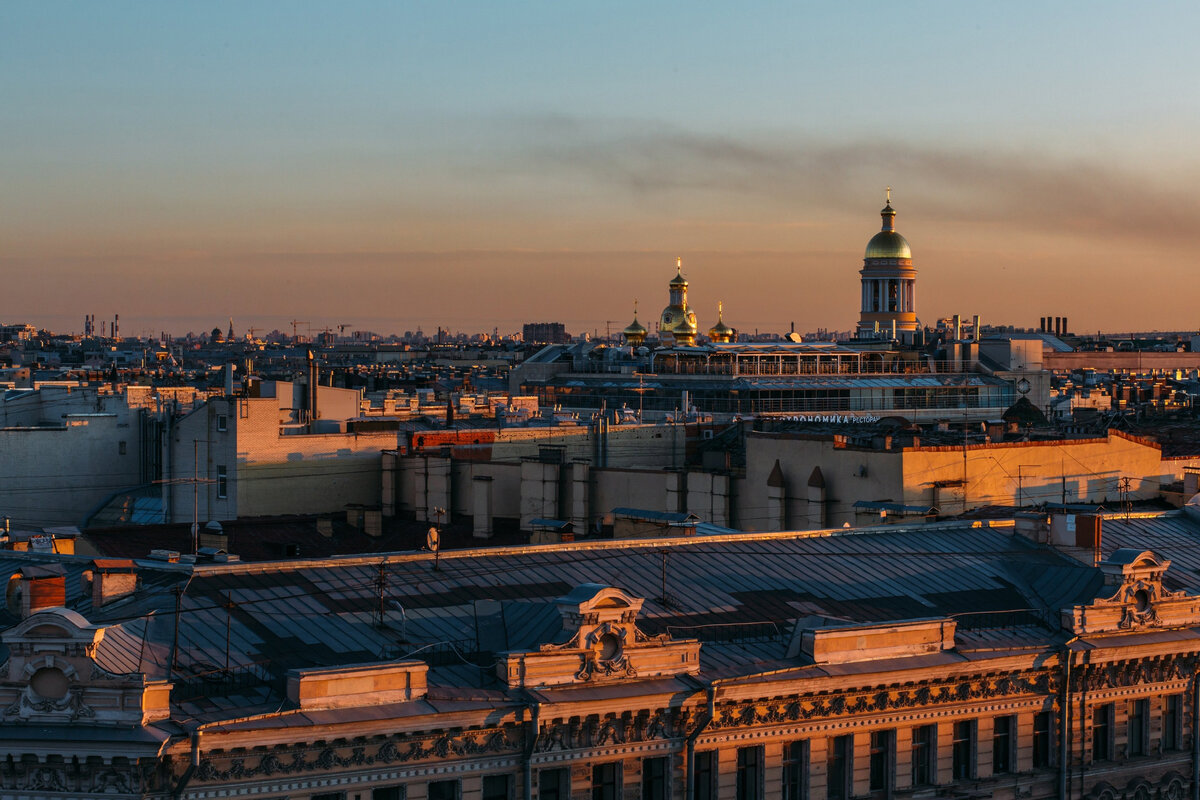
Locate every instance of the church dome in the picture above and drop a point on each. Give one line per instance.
(888, 244)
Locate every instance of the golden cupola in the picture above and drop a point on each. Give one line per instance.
(721, 333)
(635, 334)
(677, 320)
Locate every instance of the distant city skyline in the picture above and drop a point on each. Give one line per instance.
(478, 166)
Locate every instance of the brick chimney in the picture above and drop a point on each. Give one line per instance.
(112, 579)
(43, 586)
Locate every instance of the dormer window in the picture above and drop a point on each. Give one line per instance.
(600, 641)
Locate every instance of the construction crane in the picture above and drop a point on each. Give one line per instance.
(253, 330)
(342, 328)
(294, 324)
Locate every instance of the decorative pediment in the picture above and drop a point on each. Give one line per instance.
(1133, 597)
(53, 676)
(600, 641)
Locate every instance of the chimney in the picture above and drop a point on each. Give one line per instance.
(1065, 329)
(42, 587)
(975, 326)
(313, 375)
(1058, 326)
(957, 327)
(112, 579)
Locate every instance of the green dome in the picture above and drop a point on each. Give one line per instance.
(888, 244)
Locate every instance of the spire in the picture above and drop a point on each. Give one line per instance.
(720, 311)
(888, 213)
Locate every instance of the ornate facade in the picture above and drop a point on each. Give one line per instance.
(612, 693)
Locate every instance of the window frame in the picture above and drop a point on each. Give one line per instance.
(881, 769)
(648, 778)
(1004, 745)
(454, 783)
(748, 783)
(841, 749)
(1102, 732)
(1043, 741)
(222, 482)
(927, 751)
(509, 784)
(963, 749)
(795, 770)
(1172, 719)
(1137, 723)
(606, 780)
(709, 772)
(562, 791)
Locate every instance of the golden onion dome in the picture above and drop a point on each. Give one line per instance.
(721, 332)
(678, 280)
(635, 334)
(887, 243)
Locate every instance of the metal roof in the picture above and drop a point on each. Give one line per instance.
(742, 595)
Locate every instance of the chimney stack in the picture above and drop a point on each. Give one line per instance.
(43, 586)
(1065, 329)
(112, 579)
(975, 327)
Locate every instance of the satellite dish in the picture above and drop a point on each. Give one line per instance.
(432, 539)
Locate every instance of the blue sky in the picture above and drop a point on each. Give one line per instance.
(474, 164)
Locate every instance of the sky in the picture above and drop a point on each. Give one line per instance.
(401, 165)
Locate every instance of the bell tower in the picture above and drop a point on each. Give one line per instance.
(889, 284)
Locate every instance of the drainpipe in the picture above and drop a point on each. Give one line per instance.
(1195, 737)
(690, 749)
(1064, 723)
(532, 736)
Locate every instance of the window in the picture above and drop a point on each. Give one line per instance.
(553, 784)
(1138, 727)
(121, 448)
(388, 793)
(964, 750)
(222, 422)
(1002, 745)
(1041, 740)
(222, 483)
(1102, 732)
(1171, 735)
(654, 779)
(443, 790)
(924, 745)
(606, 781)
(495, 787)
(881, 761)
(749, 773)
(705, 775)
(841, 748)
(795, 771)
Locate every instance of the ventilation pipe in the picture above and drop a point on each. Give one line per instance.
(313, 376)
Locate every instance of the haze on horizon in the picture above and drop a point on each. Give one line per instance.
(480, 165)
